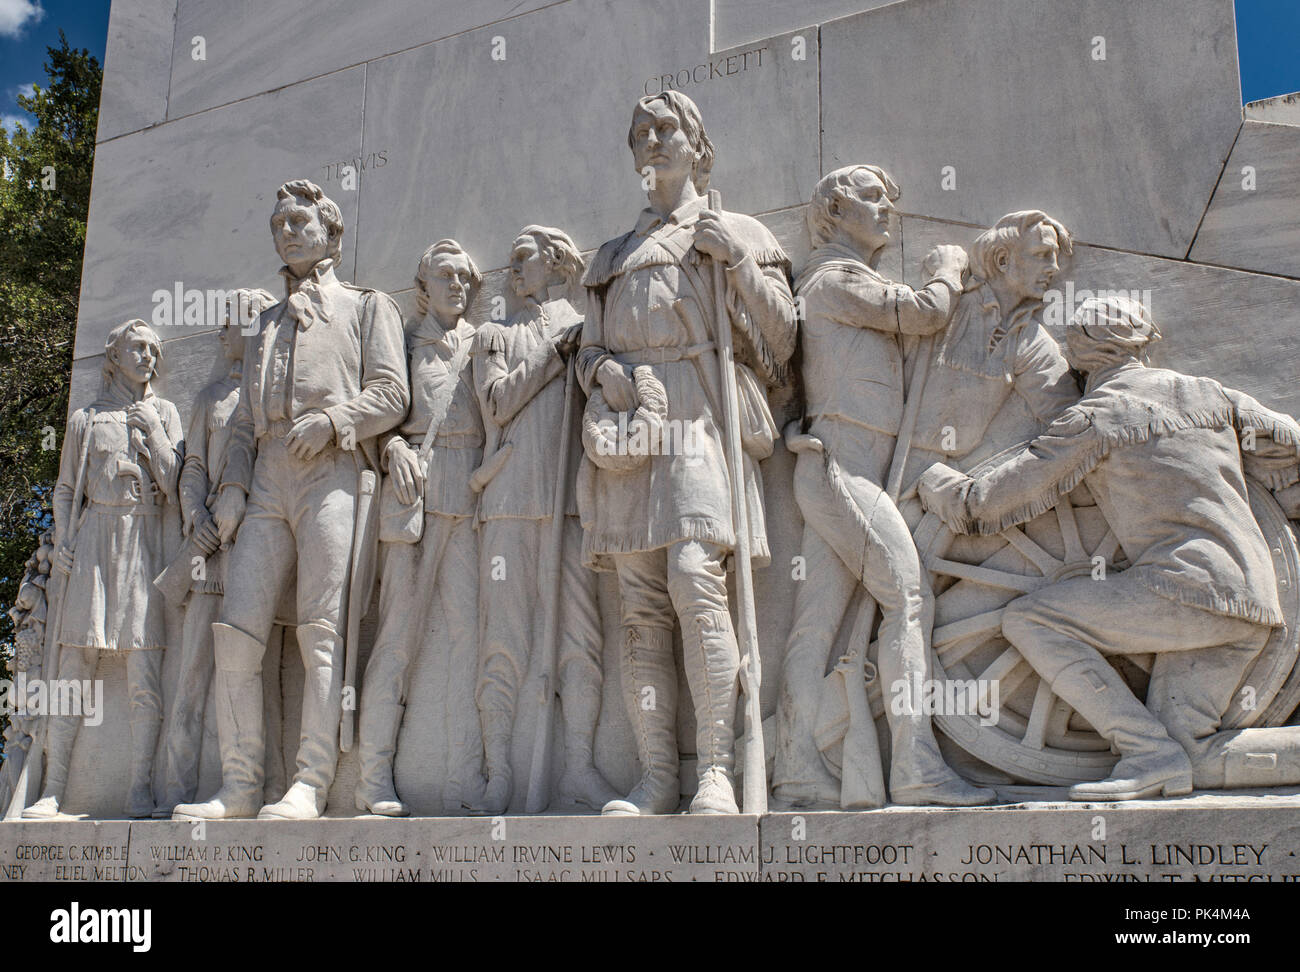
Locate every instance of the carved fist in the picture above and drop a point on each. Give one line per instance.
(404, 469)
(229, 512)
(618, 386)
(715, 238)
(568, 342)
(63, 558)
(943, 492)
(944, 260)
(309, 435)
(142, 415)
(206, 533)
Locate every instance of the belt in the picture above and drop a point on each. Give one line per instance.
(145, 507)
(663, 355)
(450, 440)
(277, 429)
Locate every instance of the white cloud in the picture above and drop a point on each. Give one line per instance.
(8, 122)
(17, 14)
(26, 90)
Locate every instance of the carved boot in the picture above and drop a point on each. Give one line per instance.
(497, 728)
(1150, 762)
(377, 745)
(582, 781)
(318, 743)
(464, 789)
(712, 662)
(58, 754)
(238, 698)
(1248, 757)
(144, 739)
(649, 681)
(918, 774)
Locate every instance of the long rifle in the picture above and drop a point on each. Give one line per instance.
(55, 598)
(861, 780)
(539, 774)
(755, 762)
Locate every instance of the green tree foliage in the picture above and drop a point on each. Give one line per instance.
(44, 195)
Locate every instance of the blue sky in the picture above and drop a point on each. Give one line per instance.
(1268, 40)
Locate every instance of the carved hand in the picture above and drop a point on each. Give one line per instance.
(63, 558)
(404, 468)
(618, 386)
(945, 257)
(143, 416)
(206, 533)
(714, 237)
(229, 512)
(942, 491)
(568, 341)
(309, 435)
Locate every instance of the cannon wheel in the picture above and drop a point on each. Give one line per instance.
(1037, 737)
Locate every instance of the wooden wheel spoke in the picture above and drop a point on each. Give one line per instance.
(1040, 716)
(987, 575)
(1031, 551)
(1108, 547)
(977, 625)
(1074, 549)
(1003, 665)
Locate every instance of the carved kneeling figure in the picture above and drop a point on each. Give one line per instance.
(1161, 454)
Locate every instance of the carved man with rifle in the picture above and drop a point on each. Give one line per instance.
(855, 321)
(668, 525)
(325, 375)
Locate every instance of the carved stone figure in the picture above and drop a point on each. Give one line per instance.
(429, 459)
(205, 456)
(519, 369)
(665, 525)
(30, 617)
(115, 522)
(995, 351)
(1162, 454)
(854, 322)
(324, 375)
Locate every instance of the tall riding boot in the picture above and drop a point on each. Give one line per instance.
(582, 781)
(498, 726)
(318, 742)
(144, 739)
(238, 698)
(58, 754)
(376, 748)
(712, 661)
(1150, 762)
(649, 681)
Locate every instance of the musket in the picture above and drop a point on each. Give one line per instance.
(174, 580)
(539, 775)
(36, 752)
(862, 784)
(754, 760)
(361, 583)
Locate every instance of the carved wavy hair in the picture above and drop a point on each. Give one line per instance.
(566, 259)
(331, 216)
(1003, 236)
(692, 124)
(446, 247)
(835, 185)
(113, 344)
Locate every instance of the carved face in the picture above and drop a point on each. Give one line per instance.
(136, 357)
(447, 281)
(1030, 266)
(530, 268)
(862, 216)
(300, 237)
(659, 142)
(232, 340)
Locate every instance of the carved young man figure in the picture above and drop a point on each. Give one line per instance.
(126, 450)
(1161, 454)
(996, 352)
(666, 525)
(441, 564)
(205, 457)
(854, 323)
(519, 369)
(323, 377)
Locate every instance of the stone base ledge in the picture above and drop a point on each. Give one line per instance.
(1242, 837)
